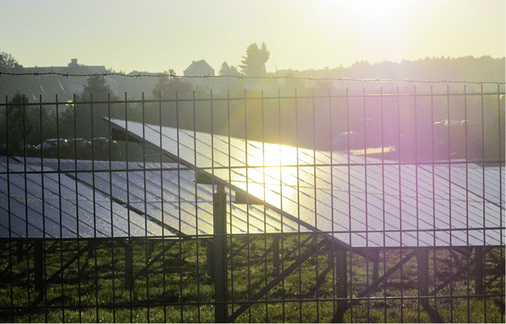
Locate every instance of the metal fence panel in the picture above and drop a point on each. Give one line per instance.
(354, 205)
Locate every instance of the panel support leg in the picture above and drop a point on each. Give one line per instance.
(220, 253)
(422, 258)
(209, 260)
(478, 274)
(19, 251)
(91, 248)
(375, 267)
(341, 285)
(275, 254)
(129, 271)
(39, 266)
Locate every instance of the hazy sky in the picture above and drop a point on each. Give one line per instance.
(155, 35)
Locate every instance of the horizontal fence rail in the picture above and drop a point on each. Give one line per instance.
(376, 203)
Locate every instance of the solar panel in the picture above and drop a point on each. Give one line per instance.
(115, 199)
(362, 203)
(54, 205)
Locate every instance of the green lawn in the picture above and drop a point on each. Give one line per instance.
(177, 287)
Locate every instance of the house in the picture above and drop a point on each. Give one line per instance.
(72, 68)
(199, 68)
(65, 80)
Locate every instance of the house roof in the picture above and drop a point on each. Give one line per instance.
(198, 68)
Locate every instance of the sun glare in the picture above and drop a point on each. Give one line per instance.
(378, 18)
(266, 176)
(381, 24)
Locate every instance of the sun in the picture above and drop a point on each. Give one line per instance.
(378, 18)
(377, 28)
(383, 8)
(368, 9)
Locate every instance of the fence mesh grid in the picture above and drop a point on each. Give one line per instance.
(377, 204)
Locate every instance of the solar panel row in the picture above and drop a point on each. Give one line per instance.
(361, 202)
(102, 199)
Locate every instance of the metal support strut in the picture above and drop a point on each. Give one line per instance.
(341, 285)
(422, 258)
(220, 253)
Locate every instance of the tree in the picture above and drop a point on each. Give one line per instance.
(7, 61)
(19, 125)
(8, 84)
(97, 87)
(77, 119)
(253, 64)
(169, 84)
(227, 70)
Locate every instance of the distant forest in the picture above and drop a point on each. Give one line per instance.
(482, 69)
(467, 68)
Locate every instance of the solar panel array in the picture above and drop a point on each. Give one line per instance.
(83, 199)
(360, 202)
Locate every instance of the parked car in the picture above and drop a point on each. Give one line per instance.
(80, 143)
(51, 144)
(102, 141)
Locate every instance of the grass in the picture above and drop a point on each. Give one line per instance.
(177, 287)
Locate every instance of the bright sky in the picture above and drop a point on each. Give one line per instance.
(156, 35)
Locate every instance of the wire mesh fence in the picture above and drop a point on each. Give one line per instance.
(376, 203)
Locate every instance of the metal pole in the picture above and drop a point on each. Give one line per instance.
(19, 251)
(341, 284)
(129, 273)
(275, 253)
(39, 266)
(210, 261)
(375, 266)
(219, 251)
(422, 259)
(478, 274)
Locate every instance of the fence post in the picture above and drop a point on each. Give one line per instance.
(219, 251)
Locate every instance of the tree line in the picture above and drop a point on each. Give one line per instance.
(459, 127)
